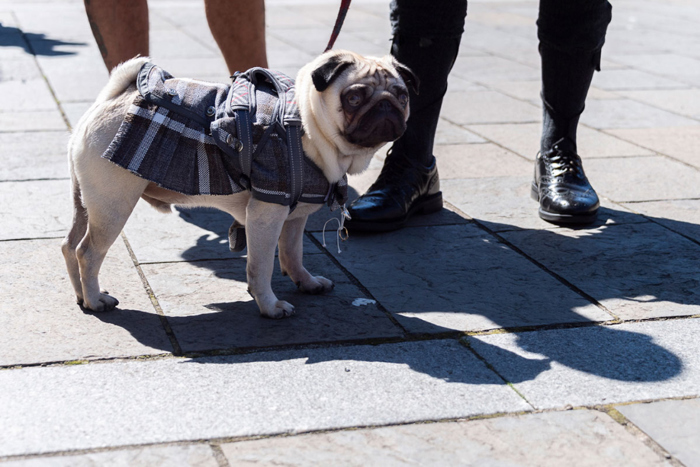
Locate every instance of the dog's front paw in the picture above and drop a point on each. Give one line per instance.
(316, 285)
(103, 303)
(281, 309)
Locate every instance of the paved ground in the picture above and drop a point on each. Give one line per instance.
(480, 335)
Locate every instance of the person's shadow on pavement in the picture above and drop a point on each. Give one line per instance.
(631, 270)
(34, 44)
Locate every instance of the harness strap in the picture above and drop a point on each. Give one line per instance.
(296, 162)
(245, 149)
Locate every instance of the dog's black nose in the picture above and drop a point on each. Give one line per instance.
(384, 106)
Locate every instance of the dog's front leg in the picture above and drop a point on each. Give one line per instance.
(291, 258)
(264, 223)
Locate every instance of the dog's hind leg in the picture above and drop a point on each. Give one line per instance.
(108, 208)
(291, 246)
(76, 233)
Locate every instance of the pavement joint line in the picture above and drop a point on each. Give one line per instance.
(470, 127)
(35, 130)
(661, 108)
(219, 455)
(464, 342)
(41, 70)
(356, 282)
(542, 267)
(178, 27)
(47, 179)
(635, 431)
(177, 350)
(28, 239)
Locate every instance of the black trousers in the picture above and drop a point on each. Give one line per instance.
(426, 38)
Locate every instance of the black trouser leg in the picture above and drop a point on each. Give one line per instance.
(571, 34)
(426, 39)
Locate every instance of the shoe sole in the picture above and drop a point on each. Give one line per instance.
(557, 218)
(426, 205)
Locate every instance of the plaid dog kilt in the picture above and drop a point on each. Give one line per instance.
(199, 138)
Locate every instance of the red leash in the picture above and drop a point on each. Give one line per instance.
(344, 6)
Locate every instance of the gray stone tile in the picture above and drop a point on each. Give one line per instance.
(682, 216)
(598, 364)
(39, 21)
(545, 439)
(175, 43)
(680, 68)
(478, 160)
(682, 101)
(41, 322)
(625, 79)
(675, 425)
(448, 133)
(22, 68)
(129, 403)
(677, 142)
(77, 78)
(208, 306)
(183, 235)
(75, 110)
(524, 139)
(459, 278)
(40, 120)
(488, 69)
(624, 113)
(504, 203)
(197, 67)
(33, 155)
(25, 95)
(197, 455)
(487, 107)
(647, 178)
(37, 209)
(634, 270)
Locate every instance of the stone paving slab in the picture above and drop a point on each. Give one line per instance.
(25, 95)
(466, 108)
(626, 79)
(684, 101)
(599, 364)
(625, 113)
(578, 438)
(39, 120)
(524, 139)
(488, 69)
(127, 403)
(685, 69)
(677, 142)
(36, 209)
(198, 455)
(208, 307)
(674, 424)
(40, 321)
(646, 178)
(34, 155)
(21, 68)
(504, 203)
(459, 278)
(682, 216)
(478, 160)
(634, 270)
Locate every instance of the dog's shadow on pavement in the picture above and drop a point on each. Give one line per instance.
(33, 43)
(638, 266)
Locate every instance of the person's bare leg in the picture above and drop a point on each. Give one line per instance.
(120, 28)
(238, 26)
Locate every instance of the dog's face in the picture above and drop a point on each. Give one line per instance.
(355, 103)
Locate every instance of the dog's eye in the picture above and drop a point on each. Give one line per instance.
(403, 99)
(354, 100)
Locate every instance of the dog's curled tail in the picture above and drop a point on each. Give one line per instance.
(121, 77)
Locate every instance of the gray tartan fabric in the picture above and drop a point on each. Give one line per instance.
(196, 138)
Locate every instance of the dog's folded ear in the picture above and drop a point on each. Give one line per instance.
(408, 76)
(325, 74)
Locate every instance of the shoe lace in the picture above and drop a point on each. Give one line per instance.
(564, 163)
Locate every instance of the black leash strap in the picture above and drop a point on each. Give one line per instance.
(344, 7)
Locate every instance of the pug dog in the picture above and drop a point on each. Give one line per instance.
(349, 106)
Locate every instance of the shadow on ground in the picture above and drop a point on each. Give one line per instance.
(34, 44)
(635, 262)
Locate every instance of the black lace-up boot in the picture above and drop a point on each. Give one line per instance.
(401, 190)
(561, 186)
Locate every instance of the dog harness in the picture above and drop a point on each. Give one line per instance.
(199, 138)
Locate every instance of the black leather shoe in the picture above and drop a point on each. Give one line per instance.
(401, 190)
(562, 189)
